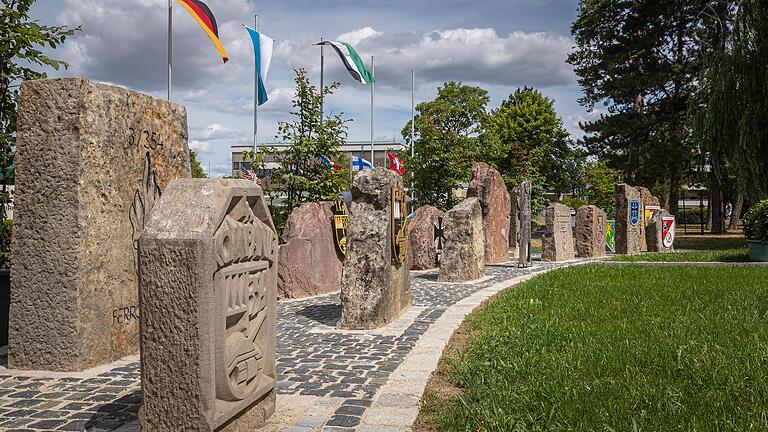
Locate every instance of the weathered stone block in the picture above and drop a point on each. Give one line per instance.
(464, 253)
(423, 237)
(524, 248)
(310, 262)
(488, 185)
(629, 220)
(660, 234)
(590, 232)
(514, 223)
(91, 161)
(375, 283)
(646, 199)
(557, 241)
(208, 265)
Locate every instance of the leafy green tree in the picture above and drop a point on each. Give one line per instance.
(600, 185)
(534, 145)
(303, 174)
(450, 133)
(197, 169)
(21, 44)
(640, 61)
(729, 119)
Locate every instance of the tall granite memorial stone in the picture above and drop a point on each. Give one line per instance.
(310, 260)
(591, 222)
(514, 223)
(425, 237)
(488, 185)
(524, 253)
(208, 265)
(629, 220)
(375, 283)
(557, 241)
(464, 254)
(647, 201)
(92, 159)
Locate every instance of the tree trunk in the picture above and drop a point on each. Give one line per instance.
(674, 193)
(736, 215)
(716, 204)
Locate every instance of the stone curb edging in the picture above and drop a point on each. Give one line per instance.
(682, 264)
(396, 405)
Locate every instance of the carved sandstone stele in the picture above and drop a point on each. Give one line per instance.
(464, 253)
(629, 220)
(489, 187)
(208, 260)
(557, 241)
(590, 232)
(92, 159)
(422, 237)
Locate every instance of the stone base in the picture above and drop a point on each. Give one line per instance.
(254, 417)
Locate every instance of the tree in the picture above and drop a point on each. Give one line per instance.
(729, 119)
(21, 42)
(450, 132)
(641, 60)
(197, 170)
(600, 184)
(534, 145)
(313, 167)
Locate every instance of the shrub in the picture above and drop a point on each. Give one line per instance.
(692, 216)
(756, 222)
(574, 203)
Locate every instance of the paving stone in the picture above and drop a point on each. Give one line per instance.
(46, 424)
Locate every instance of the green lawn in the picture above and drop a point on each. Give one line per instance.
(723, 255)
(595, 348)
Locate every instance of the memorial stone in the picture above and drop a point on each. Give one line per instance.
(557, 241)
(514, 223)
(628, 220)
(524, 253)
(591, 222)
(423, 238)
(208, 259)
(464, 253)
(661, 232)
(488, 185)
(646, 199)
(375, 283)
(92, 159)
(309, 262)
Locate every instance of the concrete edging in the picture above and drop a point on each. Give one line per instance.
(682, 264)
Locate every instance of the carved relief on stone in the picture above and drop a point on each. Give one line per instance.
(245, 250)
(399, 225)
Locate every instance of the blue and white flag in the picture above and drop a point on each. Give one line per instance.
(360, 164)
(262, 47)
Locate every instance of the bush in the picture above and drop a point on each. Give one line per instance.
(574, 203)
(756, 222)
(692, 216)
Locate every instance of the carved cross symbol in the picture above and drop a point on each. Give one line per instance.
(439, 239)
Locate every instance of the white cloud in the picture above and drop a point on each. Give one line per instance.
(215, 131)
(477, 55)
(201, 147)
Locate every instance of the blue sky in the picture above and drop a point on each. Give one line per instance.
(497, 44)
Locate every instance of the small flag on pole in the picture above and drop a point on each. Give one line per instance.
(395, 163)
(262, 48)
(351, 60)
(360, 164)
(330, 164)
(203, 15)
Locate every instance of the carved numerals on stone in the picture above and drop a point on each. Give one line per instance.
(245, 253)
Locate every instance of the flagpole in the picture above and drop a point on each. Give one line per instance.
(322, 80)
(255, 97)
(170, 46)
(413, 129)
(373, 94)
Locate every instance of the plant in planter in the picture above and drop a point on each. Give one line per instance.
(756, 230)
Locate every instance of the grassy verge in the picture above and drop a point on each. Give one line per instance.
(709, 242)
(724, 255)
(602, 348)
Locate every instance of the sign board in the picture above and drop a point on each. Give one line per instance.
(650, 212)
(610, 235)
(439, 238)
(668, 231)
(634, 212)
(340, 224)
(399, 225)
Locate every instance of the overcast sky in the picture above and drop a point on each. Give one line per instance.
(497, 44)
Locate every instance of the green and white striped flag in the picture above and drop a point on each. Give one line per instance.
(351, 60)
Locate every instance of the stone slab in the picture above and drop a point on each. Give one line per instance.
(590, 232)
(629, 220)
(208, 260)
(92, 159)
(488, 185)
(557, 241)
(421, 236)
(464, 253)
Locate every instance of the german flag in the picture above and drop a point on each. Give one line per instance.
(203, 15)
